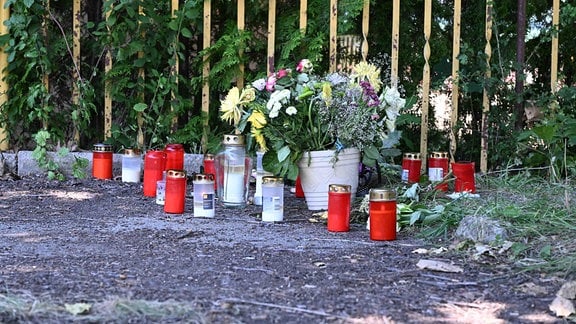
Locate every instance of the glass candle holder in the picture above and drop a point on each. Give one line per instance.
(272, 199)
(174, 156)
(154, 163)
(131, 166)
(339, 203)
(382, 212)
(102, 161)
(203, 186)
(411, 164)
(438, 169)
(233, 172)
(174, 202)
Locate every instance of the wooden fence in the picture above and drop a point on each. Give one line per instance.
(333, 39)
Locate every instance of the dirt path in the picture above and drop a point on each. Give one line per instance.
(103, 243)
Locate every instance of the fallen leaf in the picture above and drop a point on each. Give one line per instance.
(562, 307)
(568, 290)
(438, 266)
(78, 308)
(420, 251)
(320, 264)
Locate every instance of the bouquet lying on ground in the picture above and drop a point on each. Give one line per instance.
(292, 112)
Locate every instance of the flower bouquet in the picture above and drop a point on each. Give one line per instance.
(293, 112)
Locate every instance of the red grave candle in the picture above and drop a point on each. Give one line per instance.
(209, 167)
(174, 156)
(102, 161)
(382, 214)
(438, 169)
(174, 201)
(339, 197)
(154, 164)
(411, 164)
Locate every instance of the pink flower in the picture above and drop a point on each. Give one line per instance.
(271, 83)
(375, 116)
(282, 73)
(304, 66)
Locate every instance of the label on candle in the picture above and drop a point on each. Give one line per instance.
(160, 192)
(405, 174)
(272, 209)
(435, 174)
(208, 201)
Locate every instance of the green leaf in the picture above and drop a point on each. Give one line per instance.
(545, 132)
(415, 217)
(186, 32)
(140, 107)
(283, 153)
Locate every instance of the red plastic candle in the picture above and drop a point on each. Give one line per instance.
(174, 156)
(154, 164)
(174, 200)
(299, 191)
(438, 169)
(464, 173)
(339, 197)
(411, 164)
(382, 214)
(209, 167)
(102, 161)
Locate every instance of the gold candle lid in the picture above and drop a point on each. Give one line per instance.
(176, 174)
(381, 194)
(439, 155)
(233, 139)
(412, 156)
(203, 178)
(272, 180)
(132, 152)
(339, 188)
(102, 147)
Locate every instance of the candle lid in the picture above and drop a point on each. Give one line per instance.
(381, 194)
(132, 152)
(412, 156)
(173, 147)
(339, 188)
(272, 180)
(208, 157)
(100, 147)
(176, 174)
(233, 139)
(203, 178)
(439, 155)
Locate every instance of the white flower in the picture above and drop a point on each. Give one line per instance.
(274, 110)
(259, 84)
(391, 125)
(280, 96)
(291, 110)
(393, 99)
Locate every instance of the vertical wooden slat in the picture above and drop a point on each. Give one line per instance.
(554, 63)
(207, 22)
(46, 76)
(4, 15)
(107, 90)
(271, 35)
(76, 14)
(175, 68)
(333, 35)
(425, 84)
(141, 76)
(365, 28)
(395, 42)
(455, 67)
(303, 16)
(241, 26)
(485, 97)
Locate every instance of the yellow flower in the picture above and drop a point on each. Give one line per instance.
(230, 107)
(258, 119)
(248, 95)
(365, 71)
(259, 137)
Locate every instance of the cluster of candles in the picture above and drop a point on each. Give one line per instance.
(437, 171)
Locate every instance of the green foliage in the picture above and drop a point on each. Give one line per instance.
(40, 154)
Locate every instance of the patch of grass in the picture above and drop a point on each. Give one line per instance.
(24, 307)
(539, 215)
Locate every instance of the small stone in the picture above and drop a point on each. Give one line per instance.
(568, 290)
(562, 307)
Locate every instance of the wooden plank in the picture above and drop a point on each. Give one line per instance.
(455, 67)
(425, 85)
(271, 36)
(4, 15)
(141, 75)
(207, 22)
(395, 42)
(333, 35)
(554, 63)
(241, 21)
(107, 88)
(76, 32)
(303, 16)
(365, 29)
(175, 69)
(46, 76)
(485, 96)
